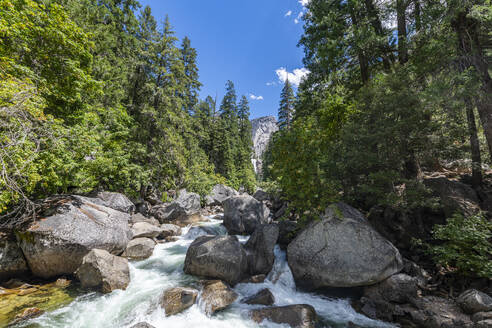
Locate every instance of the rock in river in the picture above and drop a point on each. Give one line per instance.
(217, 257)
(139, 249)
(260, 248)
(296, 316)
(176, 300)
(341, 251)
(216, 296)
(103, 271)
(242, 214)
(56, 244)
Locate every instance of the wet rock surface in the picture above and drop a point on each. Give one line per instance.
(263, 297)
(260, 247)
(216, 296)
(176, 300)
(12, 261)
(296, 316)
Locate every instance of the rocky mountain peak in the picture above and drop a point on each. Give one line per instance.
(262, 130)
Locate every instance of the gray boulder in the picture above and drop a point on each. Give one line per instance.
(219, 194)
(242, 214)
(219, 257)
(176, 300)
(144, 229)
(260, 249)
(142, 325)
(481, 316)
(296, 316)
(484, 324)
(138, 217)
(473, 301)
(169, 230)
(139, 249)
(103, 271)
(341, 252)
(185, 205)
(56, 244)
(12, 261)
(204, 230)
(454, 196)
(263, 297)
(216, 296)
(116, 201)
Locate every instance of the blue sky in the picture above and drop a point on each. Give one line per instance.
(246, 41)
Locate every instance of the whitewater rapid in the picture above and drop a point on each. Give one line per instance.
(163, 270)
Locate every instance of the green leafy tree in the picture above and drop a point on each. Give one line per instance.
(286, 109)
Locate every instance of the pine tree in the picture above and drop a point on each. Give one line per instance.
(286, 110)
(188, 56)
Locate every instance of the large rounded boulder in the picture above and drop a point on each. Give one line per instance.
(341, 250)
(217, 257)
(56, 244)
(219, 194)
(242, 214)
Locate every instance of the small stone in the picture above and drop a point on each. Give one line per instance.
(257, 279)
(296, 316)
(142, 325)
(139, 249)
(480, 316)
(263, 297)
(217, 296)
(62, 283)
(176, 300)
(144, 229)
(473, 301)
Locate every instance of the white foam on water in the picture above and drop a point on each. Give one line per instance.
(163, 270)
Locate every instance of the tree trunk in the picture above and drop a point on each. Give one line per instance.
(363, 64)
(475, 145)
(401, 7)
(472, 53)
(418, 19)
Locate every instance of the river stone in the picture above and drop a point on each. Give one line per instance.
(341, 252)
(26, 314)
(139, 249)
(261, 195)
(138, 217)
(296, 316)
(103, 271)
(260, 249)
(12, 261)
(176, 300)
(115, 201)
(473, 301)
(186, 220)
(168, 230)
(197, 231)
(242, 214)
(263, 297)
(399, 288)
(216, 296)
(217, 257)
(219, 194)
(55, 245)
(144, 229)
(184, 206)
(484, 324)
(142, 325)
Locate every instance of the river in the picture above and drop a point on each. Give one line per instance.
(164, 269)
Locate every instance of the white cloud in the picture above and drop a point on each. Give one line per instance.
(304, 3)
(295, 77)
(298, 18)
(288, 13)
(271, 83)
(253, 97)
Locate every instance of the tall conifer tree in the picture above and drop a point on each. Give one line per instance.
(286, 109)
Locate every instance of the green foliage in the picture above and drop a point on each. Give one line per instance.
(464, 244)
(94, 96)
(286, 109)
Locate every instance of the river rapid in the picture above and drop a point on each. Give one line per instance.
(163, 270)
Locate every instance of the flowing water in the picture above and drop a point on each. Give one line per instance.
(164, 269)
